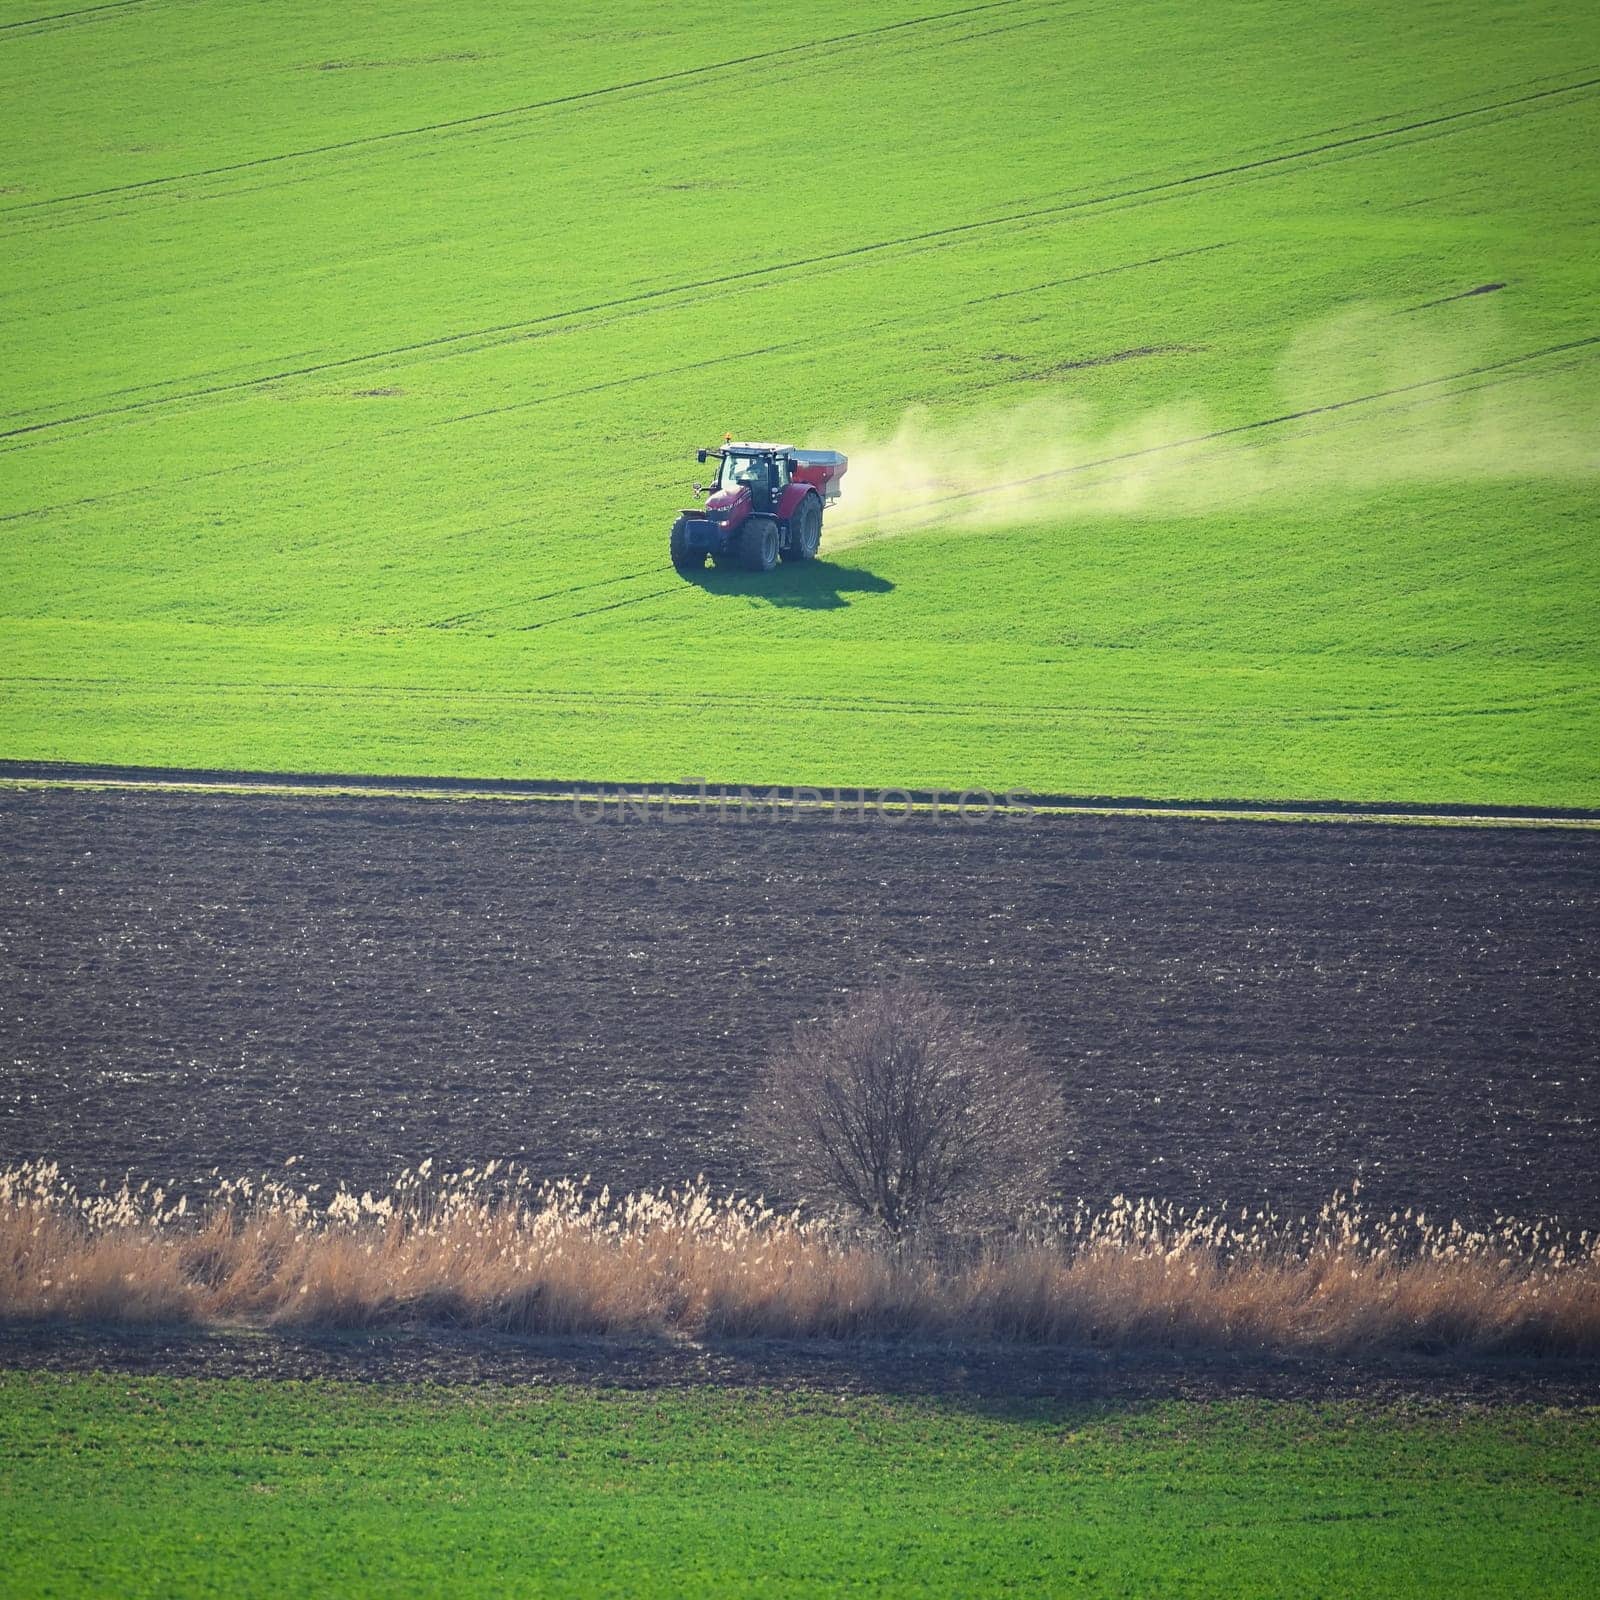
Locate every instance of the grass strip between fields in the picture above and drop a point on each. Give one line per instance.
(649, 804)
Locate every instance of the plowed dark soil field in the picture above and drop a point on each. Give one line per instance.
(1242, 1012)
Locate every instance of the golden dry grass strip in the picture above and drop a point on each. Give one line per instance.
(488, 1249)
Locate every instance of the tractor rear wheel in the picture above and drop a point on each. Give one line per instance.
(684, 558)
(758, 544)
(805, 531)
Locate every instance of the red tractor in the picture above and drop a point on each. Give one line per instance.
(766, 504)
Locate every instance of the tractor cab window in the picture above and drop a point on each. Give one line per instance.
(750, 472)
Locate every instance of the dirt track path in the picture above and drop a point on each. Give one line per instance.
(31, 775)
(1252, 1012)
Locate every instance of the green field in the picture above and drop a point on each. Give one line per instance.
(168, 1487)
(354, 357)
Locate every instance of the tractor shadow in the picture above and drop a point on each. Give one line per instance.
(808, 585)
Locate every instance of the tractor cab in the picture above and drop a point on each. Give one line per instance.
(764, 473)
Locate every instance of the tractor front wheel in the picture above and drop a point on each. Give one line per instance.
(684, 558)
(805, 531)
(758, 544)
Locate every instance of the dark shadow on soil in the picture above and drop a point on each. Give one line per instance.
(809, 585)
(993, 1380)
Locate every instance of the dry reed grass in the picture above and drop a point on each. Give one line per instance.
(489, 1249)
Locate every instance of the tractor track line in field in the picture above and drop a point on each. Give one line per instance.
(615, 383)
(1099, 272)
(641, 297)
(1428, 105)
(67, 16)
(552, 594)
(1263, 442)
(592, 611)
(1511, 111)
(916, 319)
(144, 186)
(1144, 720)
(481, 117)
(1243, 427)
(813, 344)
(68, 774)
(866, 329)
(857, 704)
(107, 395)
(123, 494)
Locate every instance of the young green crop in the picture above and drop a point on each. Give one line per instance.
(145, 1486)
(355, 358)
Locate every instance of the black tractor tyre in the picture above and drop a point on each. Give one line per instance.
(805, 531)
(758, 544)
(684, 558)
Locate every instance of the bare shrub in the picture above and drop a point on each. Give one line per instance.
(902, 1113)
